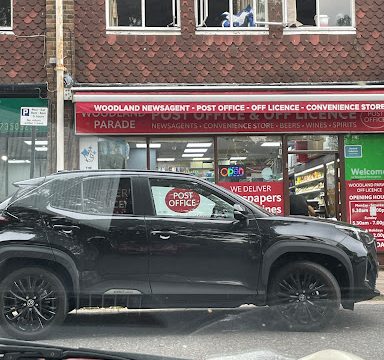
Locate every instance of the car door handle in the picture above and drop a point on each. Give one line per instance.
(163, 234)
(66, 229)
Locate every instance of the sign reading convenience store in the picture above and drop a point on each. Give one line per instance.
(206, 123)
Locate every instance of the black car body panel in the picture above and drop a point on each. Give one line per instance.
(170, 261)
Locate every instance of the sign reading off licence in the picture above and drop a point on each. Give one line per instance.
(34, 116)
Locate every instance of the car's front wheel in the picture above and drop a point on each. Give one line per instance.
(32, 301)
(304, 295)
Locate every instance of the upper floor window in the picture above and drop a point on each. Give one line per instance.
(5, 14)
(227, 14)
(319, 13)
(139, 14)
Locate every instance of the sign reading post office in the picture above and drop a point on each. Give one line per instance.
(34, 116)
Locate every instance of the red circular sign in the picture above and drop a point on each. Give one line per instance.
(182, 200)
(373, 120)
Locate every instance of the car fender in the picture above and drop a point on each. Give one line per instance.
(284, 247)
(44, 253)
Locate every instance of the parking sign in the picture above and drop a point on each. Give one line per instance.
(34, 116)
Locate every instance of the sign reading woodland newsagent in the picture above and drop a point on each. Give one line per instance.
(364, 174)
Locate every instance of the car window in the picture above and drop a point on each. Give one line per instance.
(107, 196)
(65, 196)
(188, 199)
(99, 195)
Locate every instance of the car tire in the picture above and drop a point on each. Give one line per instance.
(304, 296)
(32, 301)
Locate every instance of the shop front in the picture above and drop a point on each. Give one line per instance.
(260, 148)
(23, 144)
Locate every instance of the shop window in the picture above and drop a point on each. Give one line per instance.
(136, 14)
(19, 160)
(249, 158)
(122, 153)
(313, 171)
(224, 14)
(319, 13)
(189, 155)
(5, 14)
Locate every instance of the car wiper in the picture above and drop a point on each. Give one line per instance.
(17, 350)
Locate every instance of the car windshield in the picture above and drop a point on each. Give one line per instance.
(192, 179)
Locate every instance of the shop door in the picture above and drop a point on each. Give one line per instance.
(314, 175)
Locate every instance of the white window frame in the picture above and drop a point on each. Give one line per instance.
(200, 27)
(143, 29)
(6, 29)
(317, 29)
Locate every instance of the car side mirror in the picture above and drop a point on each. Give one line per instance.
(240, 213)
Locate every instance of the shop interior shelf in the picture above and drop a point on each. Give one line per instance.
(310, 191)
(308, 182)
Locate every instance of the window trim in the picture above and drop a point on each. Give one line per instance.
(143, 29)
(317, 29)
(6, 29)
(200, 28)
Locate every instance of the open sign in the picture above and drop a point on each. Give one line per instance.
(182, 200)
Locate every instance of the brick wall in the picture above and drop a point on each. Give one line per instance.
(22, 58)
(191, 58)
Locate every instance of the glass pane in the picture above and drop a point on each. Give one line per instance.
(70, 199)
(125, 12)
(5, 13)
(122, 153)
(183, 198)
(243, 13)
(107, 196)
(312, 173)
(3, 169)
(158, 13)
(217, 11)
(335, 13)
(313, 142)
(188, 155)
(306, 11)
(19, 161)
(249, 158)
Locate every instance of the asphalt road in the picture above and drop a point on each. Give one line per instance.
(202, 334)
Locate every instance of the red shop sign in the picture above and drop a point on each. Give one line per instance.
(365, 205)
(227, 107)
(222, 123)
(182, 200)
(269, 194)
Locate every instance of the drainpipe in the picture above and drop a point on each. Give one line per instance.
(60, 86)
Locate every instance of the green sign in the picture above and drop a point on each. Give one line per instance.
(369, 165)
(10, 116)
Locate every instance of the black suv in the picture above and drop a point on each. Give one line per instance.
(145, 239)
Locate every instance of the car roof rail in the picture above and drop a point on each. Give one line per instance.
(122, 171)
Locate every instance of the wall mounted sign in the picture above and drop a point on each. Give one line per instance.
(269, 194)
(224, 123)
(365, 183)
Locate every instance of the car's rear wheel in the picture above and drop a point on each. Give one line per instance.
(304, 295)
(32, 301)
